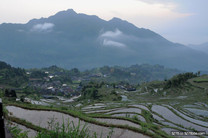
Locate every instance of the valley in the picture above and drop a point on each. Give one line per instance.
(95, 107)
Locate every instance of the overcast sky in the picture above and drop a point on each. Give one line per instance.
(181, 21)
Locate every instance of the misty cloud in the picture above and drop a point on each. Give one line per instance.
(45, 27)
(112, 34)
(112, 38)
(107, 42)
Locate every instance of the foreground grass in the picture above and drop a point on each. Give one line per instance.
(55, 130)
(65, 131)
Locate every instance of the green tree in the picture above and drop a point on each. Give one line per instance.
(10, 93)
(94, 93)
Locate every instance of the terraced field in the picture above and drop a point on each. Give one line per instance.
(161, 119)
(41, 118)
(157, 113)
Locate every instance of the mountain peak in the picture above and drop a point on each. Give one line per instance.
(67, 12)
(115, 19)
(118, 21)
(71, 11)
(61, 14)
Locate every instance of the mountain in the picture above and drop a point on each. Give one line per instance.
(202, 47)
(68, 39)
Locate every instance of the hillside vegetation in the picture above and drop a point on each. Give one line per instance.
(12, 76)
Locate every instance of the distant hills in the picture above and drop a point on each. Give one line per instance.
(11, 76)
(202, 47)
(69, 40)
(134, 74)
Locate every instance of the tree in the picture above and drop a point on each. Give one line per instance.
(114, 85)
(7, 93)
(11, 93)
(198, 73)
(94, 93)
(74, 71)
(114, 92)
(38, 74)
(22, 98)
(179, 79)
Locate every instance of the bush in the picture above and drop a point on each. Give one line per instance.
(148, 116)
(64, 108)
(135, 117)
(179, 79)
(17, 132)
(114, 92)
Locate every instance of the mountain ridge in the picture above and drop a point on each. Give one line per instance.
(201, 47)
(69, 39)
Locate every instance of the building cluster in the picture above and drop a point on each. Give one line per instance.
(47, 86)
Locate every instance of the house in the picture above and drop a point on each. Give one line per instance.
(51, 76)
(64, 85)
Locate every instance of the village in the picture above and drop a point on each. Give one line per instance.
(53, 84)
